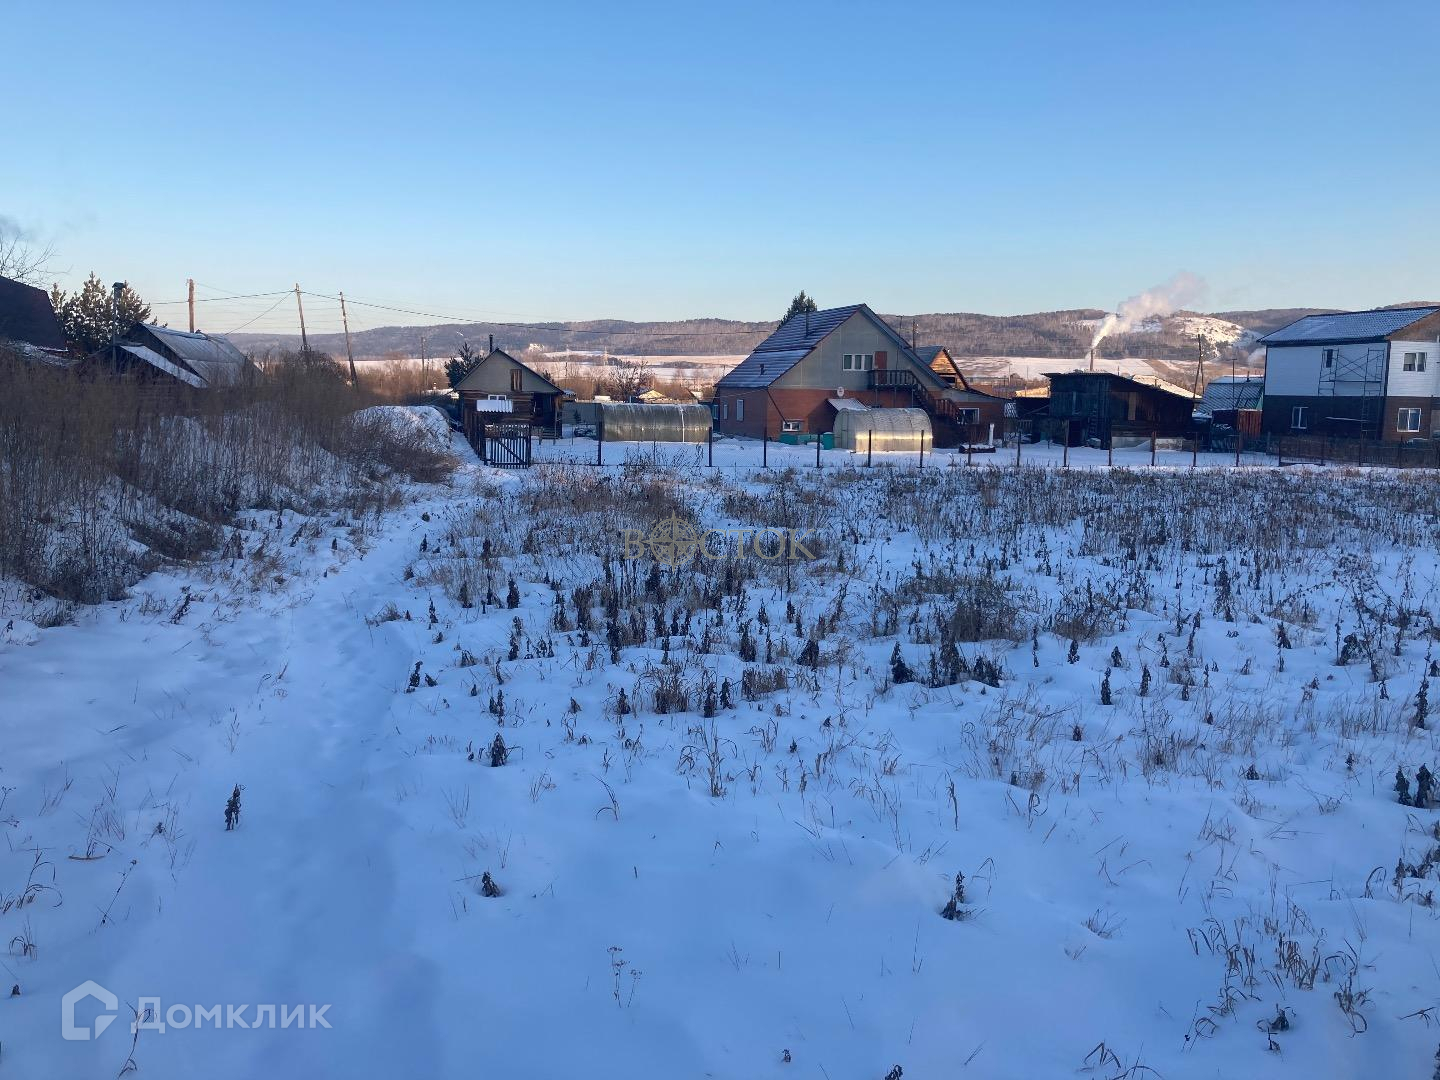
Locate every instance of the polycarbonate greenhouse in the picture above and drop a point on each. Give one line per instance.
(883, 429)
(629, 422)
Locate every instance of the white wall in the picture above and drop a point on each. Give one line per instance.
(1414, 383)
(1299, 370)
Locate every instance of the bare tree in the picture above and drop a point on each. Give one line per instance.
(21, 258)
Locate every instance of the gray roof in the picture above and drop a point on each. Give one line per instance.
(928, 353)
(795, 339)
(1227, 393)
(214, 359)
(150, 356)
(1346, 326)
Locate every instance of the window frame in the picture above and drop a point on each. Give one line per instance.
(517, 379)
(792, 425)
(1328, 356)
(739, 409)
(1401, 415)
(1299, 418)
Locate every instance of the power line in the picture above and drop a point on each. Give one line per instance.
(257, 318)
(212, 299)
(552, 329)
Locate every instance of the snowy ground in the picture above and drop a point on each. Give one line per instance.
(757, 893)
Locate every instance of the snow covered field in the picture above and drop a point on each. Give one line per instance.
(724, 832)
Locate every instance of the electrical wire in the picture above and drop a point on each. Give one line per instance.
(539, 326)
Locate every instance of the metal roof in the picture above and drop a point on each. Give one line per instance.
(1347, 326)
(850, 404)
(149, 356)
(27, 317)
(214, 359)
(795, 339)
(1227, 393)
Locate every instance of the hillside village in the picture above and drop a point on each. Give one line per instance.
(755, 542)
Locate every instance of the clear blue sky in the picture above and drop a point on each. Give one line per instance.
(669, 160)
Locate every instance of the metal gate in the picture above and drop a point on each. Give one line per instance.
(505, 446)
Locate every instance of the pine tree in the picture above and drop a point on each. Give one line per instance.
(727, 700)
(801, 305)
(1424, 781)
(1145, 681)
(1105, 690)
(461, 364)
(88, 317)
(512, 598)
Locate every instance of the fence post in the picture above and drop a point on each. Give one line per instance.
(1110, 451)
(1360, 449)
(817, 450)
(1018, 440)
(922, 450)
(1152, 446)
(970, 449)
(600, 443)
(869, 446)
(1065, 451)
(765, 447)
(710, 447)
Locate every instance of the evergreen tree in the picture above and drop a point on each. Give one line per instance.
(462, 363)
(1073, 656)
(512, 597)
(88, 317)
(801, 305)
(1105, 690)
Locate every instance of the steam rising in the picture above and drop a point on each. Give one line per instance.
(1180, 291)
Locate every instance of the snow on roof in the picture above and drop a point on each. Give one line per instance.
(149, 356)
(847, 403)
(1346, 326)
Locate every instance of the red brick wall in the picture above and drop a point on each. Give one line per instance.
(810, 406)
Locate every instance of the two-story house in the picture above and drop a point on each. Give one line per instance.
(1374, 374)
(823, 361)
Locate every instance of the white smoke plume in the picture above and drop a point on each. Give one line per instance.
(1180, 291)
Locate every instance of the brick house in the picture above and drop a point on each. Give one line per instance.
(823, 361)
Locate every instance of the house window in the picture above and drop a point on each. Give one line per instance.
(791, 425)
(740, 408)
(1414, 361)
(1407, 420)
(967, 416)
(724, 410)
(857, 361)
(1328, 355)
(515, 381)
(1298, 417)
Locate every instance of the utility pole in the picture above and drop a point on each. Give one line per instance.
(115, 291)
(1194, 397)
(304, 341)
(345, 322)
(190, 286)
(1236, 385)
(424, 362)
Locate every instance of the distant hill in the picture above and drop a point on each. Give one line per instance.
(1059, 334)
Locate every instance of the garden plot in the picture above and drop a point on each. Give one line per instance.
(1029, 773)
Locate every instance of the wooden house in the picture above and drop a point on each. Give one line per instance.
(500, 388)
(1101, 406)
(175, 357)
(819, 362)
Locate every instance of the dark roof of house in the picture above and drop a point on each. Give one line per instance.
(795, 339)
(1347, 326)
(27, 317)
(1155, 387)
(517, 363)
(928, 353)
(1227, 393)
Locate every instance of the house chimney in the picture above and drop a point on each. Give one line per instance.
(492, 342)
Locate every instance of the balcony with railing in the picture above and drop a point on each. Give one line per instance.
(891, 379)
